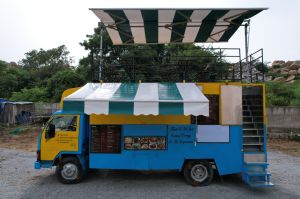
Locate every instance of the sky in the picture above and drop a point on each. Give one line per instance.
(35, 24)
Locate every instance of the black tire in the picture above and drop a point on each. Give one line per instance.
(74, 167)
(198, 173)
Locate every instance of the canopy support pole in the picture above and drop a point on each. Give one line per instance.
(101, 52)
(247, 24)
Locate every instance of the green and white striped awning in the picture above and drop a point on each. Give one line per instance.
(138, 99)
(146, 26)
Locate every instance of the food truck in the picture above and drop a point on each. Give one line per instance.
(197, 128)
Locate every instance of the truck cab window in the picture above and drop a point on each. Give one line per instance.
(65, 123)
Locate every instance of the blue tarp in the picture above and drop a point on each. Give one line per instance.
(3, 100)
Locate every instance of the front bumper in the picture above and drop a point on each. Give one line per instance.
(43, 164)
(37, 165)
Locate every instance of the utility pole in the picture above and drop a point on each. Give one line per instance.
(101, 52)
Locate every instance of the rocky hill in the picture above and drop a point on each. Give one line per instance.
(284, 71)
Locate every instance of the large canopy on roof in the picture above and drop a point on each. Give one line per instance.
(146, 26)
(138, 99)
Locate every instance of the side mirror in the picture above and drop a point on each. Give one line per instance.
(50, 131)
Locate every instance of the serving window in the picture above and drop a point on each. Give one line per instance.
(213, 118)
(145, 143)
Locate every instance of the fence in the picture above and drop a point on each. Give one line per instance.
(283, 121)
(172, 66)
(46, 109)
(14, 113)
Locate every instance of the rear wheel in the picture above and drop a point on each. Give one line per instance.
(198, 173)
(69, 171)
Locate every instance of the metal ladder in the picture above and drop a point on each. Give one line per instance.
(255, 172)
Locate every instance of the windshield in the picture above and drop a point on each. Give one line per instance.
(64, 122)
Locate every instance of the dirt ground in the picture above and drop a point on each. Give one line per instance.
(284, 145)
(20, 138)
(20, 180)
(26, 140)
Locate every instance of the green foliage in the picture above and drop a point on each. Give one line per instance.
(3, 66)
(296, 100)
(43, 75)
(28, 81)
(294, 137)
(156, 62)
(262, 67)
(12, 78)
(42, 64)
(55, 57)
(282, 94)
(32, 95)
(61, 81)
(276, 66)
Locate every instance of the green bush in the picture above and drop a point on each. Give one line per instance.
(276, 66)
(32, 95)
(294, 137)
(61, 81)
(283, 94)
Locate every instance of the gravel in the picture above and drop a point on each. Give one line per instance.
(18, 179)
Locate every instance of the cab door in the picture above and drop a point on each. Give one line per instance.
(60, 135)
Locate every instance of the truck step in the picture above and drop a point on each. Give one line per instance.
(252, 136)
(252, 149)
(256, 163)
(261, 184)
(256, 129)
(253, 107)
(253, 119)
(252, 144)
(258, 174)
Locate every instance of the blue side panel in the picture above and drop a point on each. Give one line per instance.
(83, 141)
(144, 130)
(181, 145)
(133, 159)
(228, 157)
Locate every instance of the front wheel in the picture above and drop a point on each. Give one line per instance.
(69, 171)
(198, 173)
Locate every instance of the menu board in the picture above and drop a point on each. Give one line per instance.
(145, 143)
(105, 139)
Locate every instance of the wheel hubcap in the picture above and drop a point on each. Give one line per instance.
(69, 171)
(199, 172)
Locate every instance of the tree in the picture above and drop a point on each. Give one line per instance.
(33, 72)
(3, 66)
(90, 64)
(156, 62)
(61, 81)
(12, 78)
(31, 95)
(47, 58)
(43, 64)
